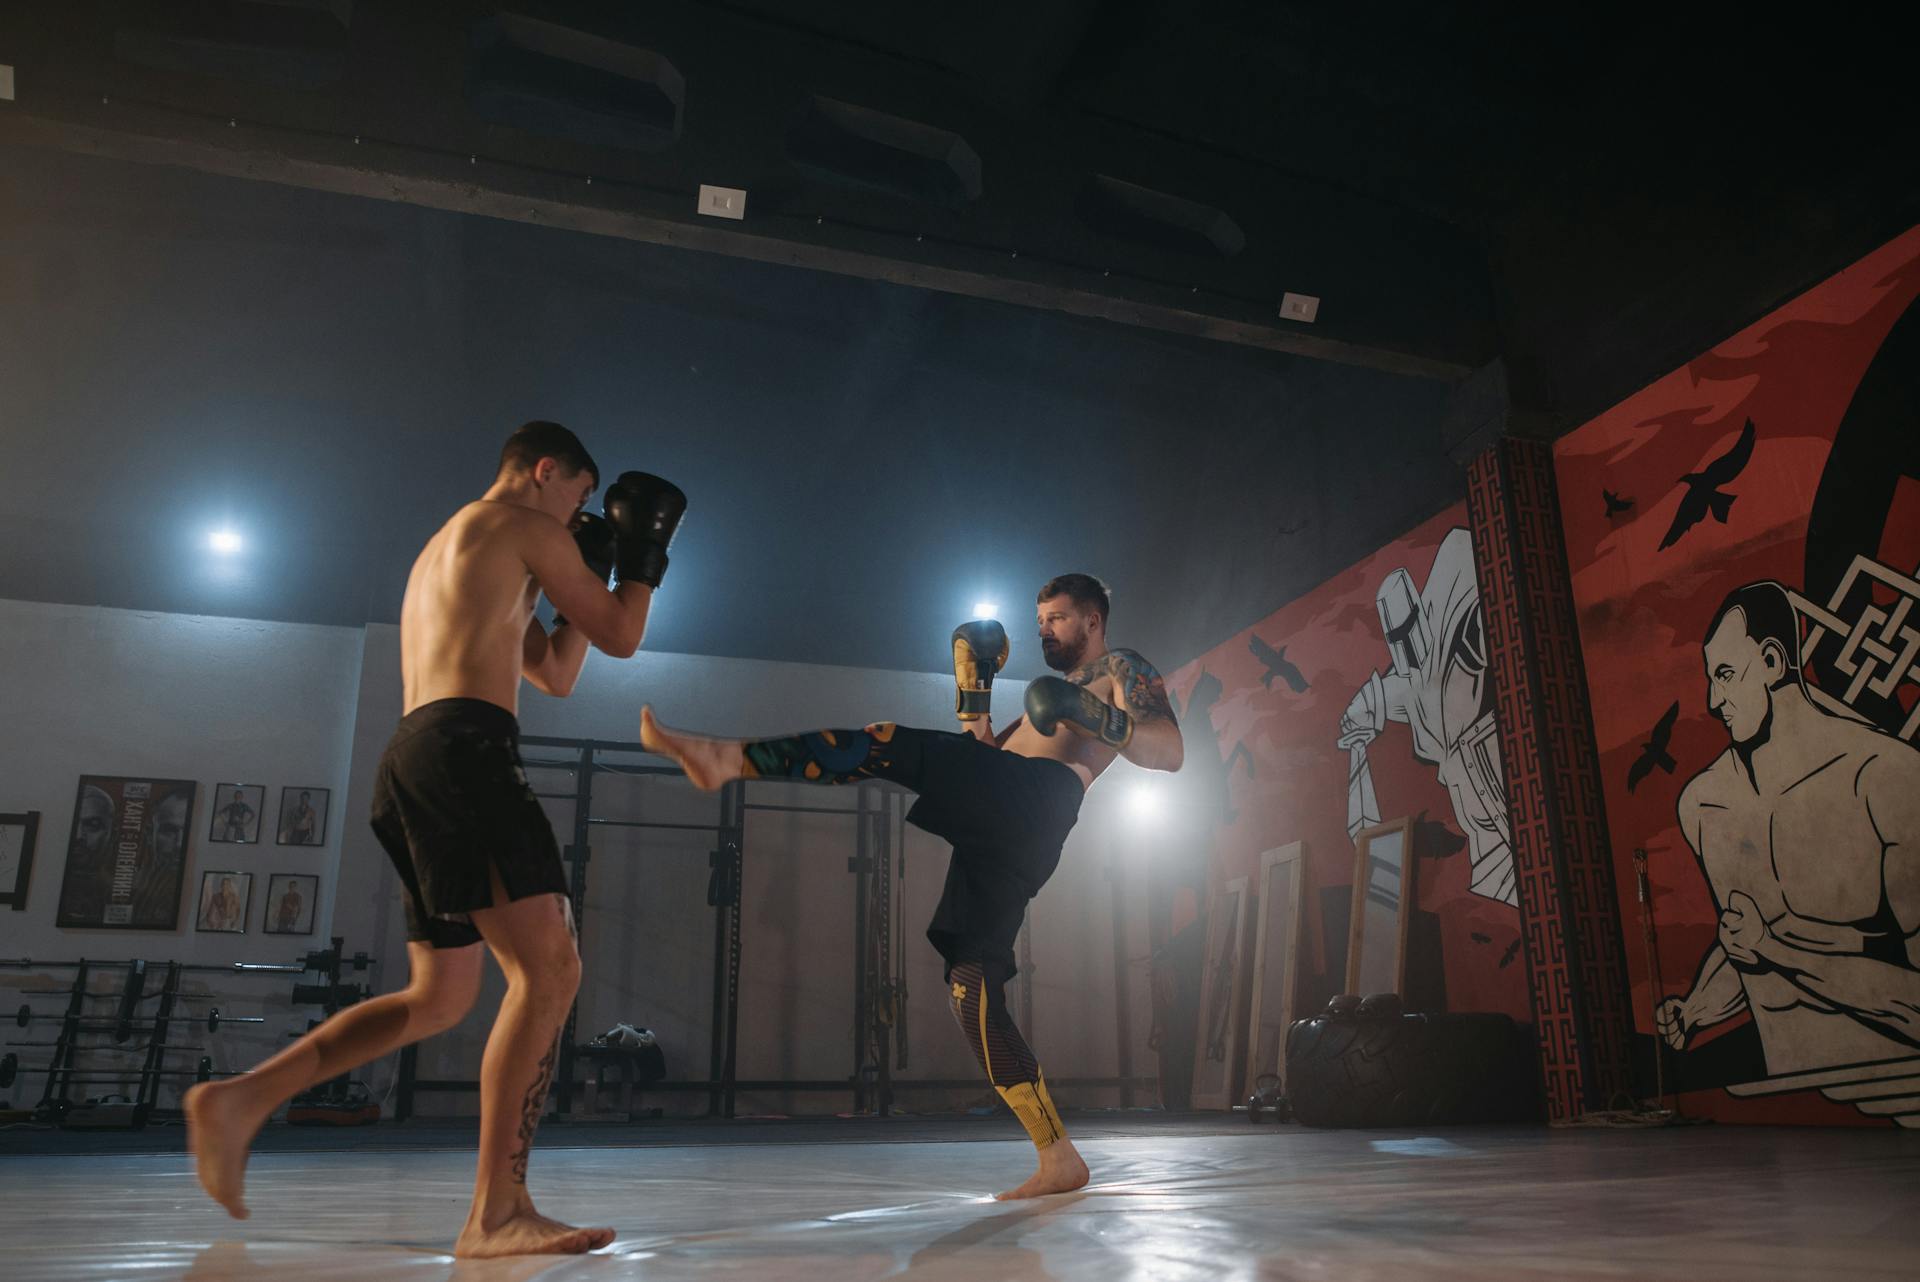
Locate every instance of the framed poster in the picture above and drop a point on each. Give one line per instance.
(16, 856)
(126, 853)
(303, 816)
(223, 902)
(291, 898)
(236, 812)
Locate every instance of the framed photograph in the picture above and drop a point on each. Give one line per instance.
(223, 902)
(303, 816)
(126, 853)
(291, 897)
(236, 813)
(16, 856)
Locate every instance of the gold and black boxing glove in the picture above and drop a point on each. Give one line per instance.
(1052, 702)
(980, 649)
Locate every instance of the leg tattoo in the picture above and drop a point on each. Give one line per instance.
(825, 756)
(530, 1109)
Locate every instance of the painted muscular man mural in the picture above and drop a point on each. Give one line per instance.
(1808, 830)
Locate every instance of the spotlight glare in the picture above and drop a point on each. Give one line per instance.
(985, 610)
(1145, 801)
(226, 542)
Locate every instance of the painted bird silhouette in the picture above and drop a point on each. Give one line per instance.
(1654, 751)
(1434, 839)
(1513, 951)
(1615, 504)
(1277, 666)
(1704, 494)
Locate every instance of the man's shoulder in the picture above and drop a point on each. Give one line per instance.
(1882, 759)
(1706, 785)
(487, 525)
(1120, 656)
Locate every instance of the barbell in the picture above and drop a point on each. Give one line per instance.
(123, 1028)
(142, 1049)
(200, 1072)
(318, 959)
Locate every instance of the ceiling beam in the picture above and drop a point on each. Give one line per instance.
(500, 192)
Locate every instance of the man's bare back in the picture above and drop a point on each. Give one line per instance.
(464, 618)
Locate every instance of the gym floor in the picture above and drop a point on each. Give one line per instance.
(855, 1199)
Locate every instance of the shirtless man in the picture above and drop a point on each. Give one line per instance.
(237, 816)
(451, 806)
(1808, 829)
(298, 828)
(1006, 802)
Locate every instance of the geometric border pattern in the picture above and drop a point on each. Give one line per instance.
(1563, 859)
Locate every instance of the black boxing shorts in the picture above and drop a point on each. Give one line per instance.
(450, 801)
(1008, 817)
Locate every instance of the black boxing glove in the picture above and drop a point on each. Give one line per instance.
(644, 510)
(1052, 702)
(594, 537)
(979, 650)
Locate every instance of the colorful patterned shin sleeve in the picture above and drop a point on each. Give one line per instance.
(825, 756)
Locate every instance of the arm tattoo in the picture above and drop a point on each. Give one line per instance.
(1142, 690)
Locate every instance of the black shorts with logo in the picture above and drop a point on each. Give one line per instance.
(450, 801)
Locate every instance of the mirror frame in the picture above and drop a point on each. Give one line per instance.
(1289, 861)
(1409, 888)
(1219, 930)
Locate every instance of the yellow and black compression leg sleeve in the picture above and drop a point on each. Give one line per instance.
(976, 993)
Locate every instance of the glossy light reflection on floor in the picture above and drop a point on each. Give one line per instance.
(1696, 1204)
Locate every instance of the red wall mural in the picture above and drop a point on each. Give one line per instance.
(1364, 700)
(1744, 543)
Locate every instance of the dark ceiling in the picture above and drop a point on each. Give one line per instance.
(1005, 301)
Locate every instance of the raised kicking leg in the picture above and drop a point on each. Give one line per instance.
(976, 993)
(224, 1116)
(533, 941)
(879, 751)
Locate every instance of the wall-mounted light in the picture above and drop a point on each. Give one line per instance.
(985, 610)
(224, 541)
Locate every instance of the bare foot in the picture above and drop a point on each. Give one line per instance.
(709, 763)
(220, 1126)
(528, 1233)
(1062, 1170)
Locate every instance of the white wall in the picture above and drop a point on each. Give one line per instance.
(116, 692)
(222, 700)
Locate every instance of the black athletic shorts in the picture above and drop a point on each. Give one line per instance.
(1008, 817)
(449, 800)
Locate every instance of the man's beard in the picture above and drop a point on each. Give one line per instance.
(1062, 657)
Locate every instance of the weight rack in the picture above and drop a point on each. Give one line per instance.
(78, 1024)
